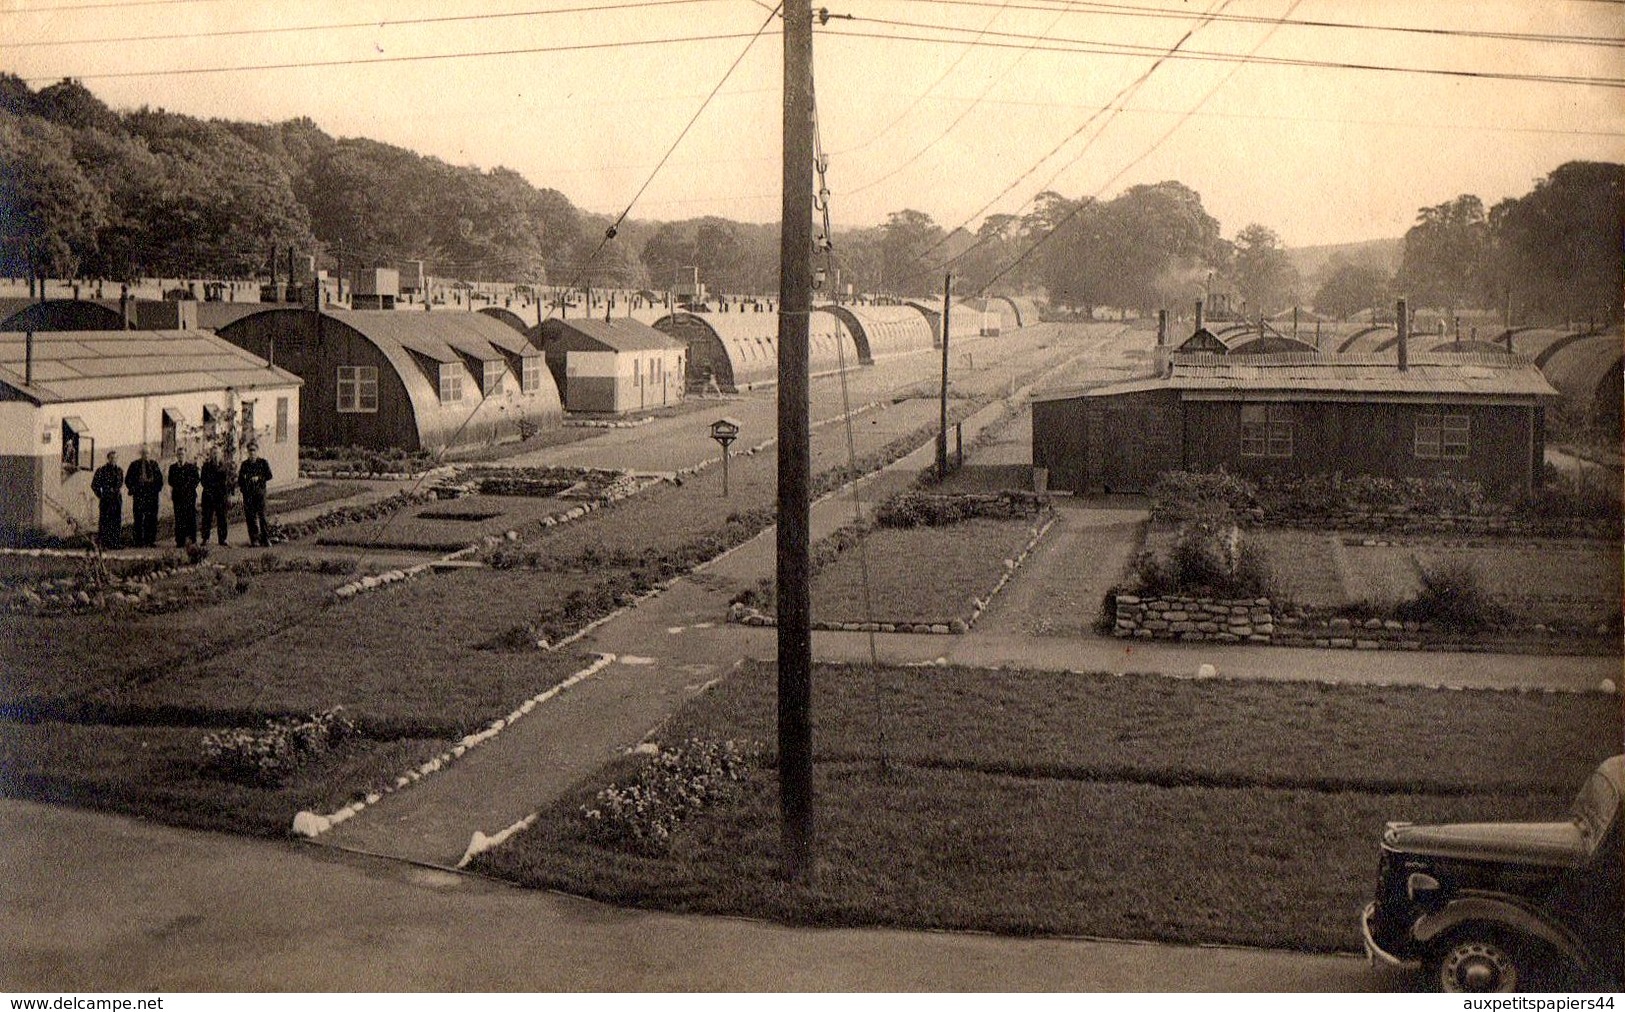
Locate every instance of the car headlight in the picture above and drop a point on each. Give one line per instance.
(1420, 884)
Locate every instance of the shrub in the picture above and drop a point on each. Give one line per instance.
(1179, 495)
(926, 509)
(269, 756)
(1566, 496)
(1453, 597)
(643, 815)
(1210, 558)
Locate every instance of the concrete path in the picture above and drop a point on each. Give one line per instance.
(105, 903)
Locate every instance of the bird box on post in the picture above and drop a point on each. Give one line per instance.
(725, 431)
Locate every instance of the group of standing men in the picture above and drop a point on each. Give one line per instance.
(144, 481)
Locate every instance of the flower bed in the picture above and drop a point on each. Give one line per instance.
(281, 533)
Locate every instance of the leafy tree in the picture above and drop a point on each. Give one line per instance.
(1560, 249)
(718, 251)
(49, 210)
(1444, 260)
(905, 267)
(1352, 288)
(70, 104)
(1264, 275)
(16, 97)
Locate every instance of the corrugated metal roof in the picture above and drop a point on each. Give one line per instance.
(103, 365)
(441, 336)
(620, 334)
(1467, 374)
(1579, 367)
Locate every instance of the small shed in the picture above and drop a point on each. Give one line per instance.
(1473, 417)
(414, 380)
(66, 398)
(615, 366)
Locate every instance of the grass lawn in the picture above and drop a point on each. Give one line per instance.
(1123, 806)
(314, 494)
(920, 574)
(446, 525)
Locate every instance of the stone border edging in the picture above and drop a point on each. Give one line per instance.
(311, 825)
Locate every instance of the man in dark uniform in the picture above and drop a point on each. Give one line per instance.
(252, 477)
(215, 478)
(145, 481)
(183, 483)
(108, 484)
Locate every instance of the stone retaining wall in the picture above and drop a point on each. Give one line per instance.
(1491, 522)
(1175, 617)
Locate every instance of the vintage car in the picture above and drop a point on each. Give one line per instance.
(1507, 906)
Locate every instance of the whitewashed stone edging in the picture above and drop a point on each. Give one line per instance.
(310, 824)
(1010, 567)
(479, 843)
(607, 423)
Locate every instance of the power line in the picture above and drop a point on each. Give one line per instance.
(345, 25)
(609, 233)
(1122, 96)
(1149, 110)
(1066, 218)
(1088, 47)
(991, 84)
(301, 65)
(883, 131)
(1087, 7)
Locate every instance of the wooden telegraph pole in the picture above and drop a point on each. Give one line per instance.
(795, 458)
(942, 433)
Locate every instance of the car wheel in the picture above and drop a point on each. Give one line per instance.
(1479, 961)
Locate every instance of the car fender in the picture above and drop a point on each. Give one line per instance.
(1499, 911)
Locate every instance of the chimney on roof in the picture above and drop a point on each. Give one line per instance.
(28, 359)
(1402, 324)
(1509, 340)
(1162, 327)
(124, 304)
(1198, 315)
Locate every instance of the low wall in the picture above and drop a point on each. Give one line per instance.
(1491, 522)
(1174, 617)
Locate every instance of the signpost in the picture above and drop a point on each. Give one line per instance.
(725, 431)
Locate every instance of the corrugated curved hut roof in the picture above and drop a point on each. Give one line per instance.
(18, 315)
(1368, 340)
(506, 316)
(741, 349)
(1587, 373)
(883, 331)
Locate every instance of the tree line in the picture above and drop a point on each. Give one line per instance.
(86, 191)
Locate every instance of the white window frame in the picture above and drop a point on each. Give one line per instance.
(1443, 436)
(356, 389)
(283, 424)
(1269, 436)
(494, 371)
(451, 381)
(530, 379)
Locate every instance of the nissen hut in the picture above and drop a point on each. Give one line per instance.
(413, 380)
(614, 366)
(1472, 417)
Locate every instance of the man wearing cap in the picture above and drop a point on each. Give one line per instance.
(252, 477)
(183, 483)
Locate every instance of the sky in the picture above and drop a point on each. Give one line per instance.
(957, 108)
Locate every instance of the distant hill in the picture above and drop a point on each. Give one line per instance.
(1312, 261)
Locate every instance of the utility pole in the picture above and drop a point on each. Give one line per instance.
(942, 433)
(795, 456)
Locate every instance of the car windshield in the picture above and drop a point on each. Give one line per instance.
(1596, 806)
